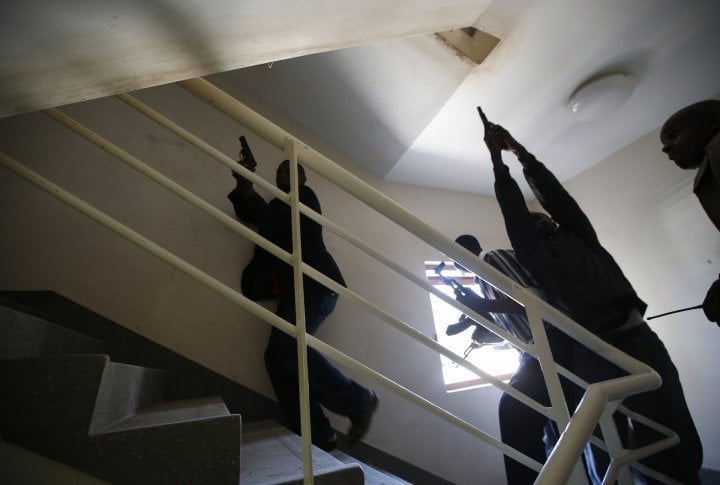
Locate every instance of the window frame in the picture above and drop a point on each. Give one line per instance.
(465, 279)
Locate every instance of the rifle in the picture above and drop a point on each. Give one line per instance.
(481, 335)
(246, 157)
(464, 322)
(459, 289)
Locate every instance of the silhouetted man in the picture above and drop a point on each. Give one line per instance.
(579, 276)
(521, 427)
(691, 139)
(266, 277)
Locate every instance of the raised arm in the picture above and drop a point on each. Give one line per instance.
(557, 201)
(561, 206)
(249, 206)
(518, 223)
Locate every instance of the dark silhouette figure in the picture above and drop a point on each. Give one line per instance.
(521, 427)
(267, 277)
(691, 139)
(578, 275)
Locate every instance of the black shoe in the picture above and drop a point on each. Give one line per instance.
(328, 444)
(361, 424)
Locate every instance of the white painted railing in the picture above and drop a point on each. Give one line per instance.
(599, 402)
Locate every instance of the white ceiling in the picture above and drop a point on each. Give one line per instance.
(405, 108)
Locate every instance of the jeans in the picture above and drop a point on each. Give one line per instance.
(328, 387)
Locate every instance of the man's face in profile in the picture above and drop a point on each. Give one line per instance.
(684, 140)
(282, 176)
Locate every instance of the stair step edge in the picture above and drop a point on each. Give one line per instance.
(171, 412)
(373, 475)
(125, 389)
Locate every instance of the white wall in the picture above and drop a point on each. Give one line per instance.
(46, 245)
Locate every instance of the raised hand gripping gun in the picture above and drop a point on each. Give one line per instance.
(486, 122)
(246, 157)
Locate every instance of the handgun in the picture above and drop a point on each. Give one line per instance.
(246, 157)
(484, 119)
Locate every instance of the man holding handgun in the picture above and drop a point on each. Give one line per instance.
(267, 277)
(520, 427)
(581, 278)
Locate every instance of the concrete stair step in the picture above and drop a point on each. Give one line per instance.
(373, 476)
(47, 403)
(201, 450)
(63, 397)
(172, 412)
(124, 390)
(71, 396)
(20, 466)
(104, 418)
(26, 335)
(272, 455)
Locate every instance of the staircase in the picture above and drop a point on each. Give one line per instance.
(64, 398)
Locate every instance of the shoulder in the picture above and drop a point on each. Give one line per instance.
(714, 145)
(712, 151)
(307, 191)
(711, 162)
(304, 189)
(496, 255)
(308, 197)
(505, 261)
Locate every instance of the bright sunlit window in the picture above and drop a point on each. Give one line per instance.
(493, 355)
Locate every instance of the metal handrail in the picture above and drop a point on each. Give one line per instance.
(257, 310)
(305, 210)
(173, 187)
(393, 211)
(560, 463)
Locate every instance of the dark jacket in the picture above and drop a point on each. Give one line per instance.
(572, 267)
(274, 223)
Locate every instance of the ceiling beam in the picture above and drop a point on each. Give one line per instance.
(54, 53)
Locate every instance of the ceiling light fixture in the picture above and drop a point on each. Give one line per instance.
(600, 95)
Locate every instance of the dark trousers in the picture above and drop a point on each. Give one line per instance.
(527, 430)
(521, 427)
(665, 406)
(328, 387)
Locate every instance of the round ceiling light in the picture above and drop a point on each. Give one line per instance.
(600, 95)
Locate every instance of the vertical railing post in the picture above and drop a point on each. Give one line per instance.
(558, 407)
(300, 328)
(614, 445)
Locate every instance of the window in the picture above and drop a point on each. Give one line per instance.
(498, 358)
